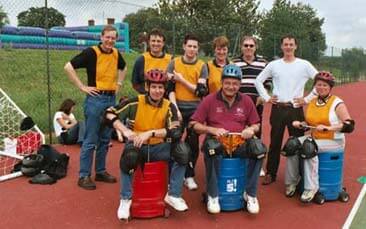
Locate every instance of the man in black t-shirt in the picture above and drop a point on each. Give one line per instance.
(106, 70)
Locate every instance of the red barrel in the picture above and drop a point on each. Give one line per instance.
(149, 189)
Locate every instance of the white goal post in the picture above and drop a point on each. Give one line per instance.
(15, 143)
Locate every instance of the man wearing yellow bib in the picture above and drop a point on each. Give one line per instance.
(145, 121)
(106, 70)
(188, 74)
(328, 119)
(154, 58)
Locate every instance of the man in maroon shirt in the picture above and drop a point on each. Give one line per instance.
(219, 114)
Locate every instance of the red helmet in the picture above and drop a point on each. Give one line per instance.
(326, 77)
(156, 76)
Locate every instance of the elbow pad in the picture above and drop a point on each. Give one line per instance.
(170, 87)
(109, 122)
(201, 90)
(348, 126)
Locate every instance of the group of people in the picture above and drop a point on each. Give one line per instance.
(183, 97)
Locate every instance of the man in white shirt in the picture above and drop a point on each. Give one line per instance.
(289, 76)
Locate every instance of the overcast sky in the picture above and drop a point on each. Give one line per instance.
(344, 26)
(345, 20)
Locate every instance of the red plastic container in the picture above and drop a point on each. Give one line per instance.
(149, 189)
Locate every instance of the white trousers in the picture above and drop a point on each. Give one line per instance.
(311, 166)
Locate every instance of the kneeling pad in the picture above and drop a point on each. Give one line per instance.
(29, 171)
(42, 178)
(33, 160)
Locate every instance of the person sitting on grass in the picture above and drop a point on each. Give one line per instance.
(68, 130)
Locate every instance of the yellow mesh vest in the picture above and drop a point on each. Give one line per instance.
(156, 62)
(214, 77)
(190, 72)
(106, 69)
(149, 117)
(316, 115)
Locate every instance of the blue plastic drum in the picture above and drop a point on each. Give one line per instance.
(331, 174)
(232, 180)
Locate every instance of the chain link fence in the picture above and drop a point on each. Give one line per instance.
(33, 75)
(31, 69)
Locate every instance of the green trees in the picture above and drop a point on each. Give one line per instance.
(353, 60)
(205, 18)
(37, 17)
(299, 20)
(3, 17)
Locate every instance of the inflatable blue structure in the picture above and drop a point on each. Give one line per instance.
(64, 38)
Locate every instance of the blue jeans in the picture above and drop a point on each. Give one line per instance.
(96, 137)
(158, 152)
(212, 164)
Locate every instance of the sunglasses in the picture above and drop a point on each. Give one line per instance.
(250, 46)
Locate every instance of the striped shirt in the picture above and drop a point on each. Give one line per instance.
(250, 71)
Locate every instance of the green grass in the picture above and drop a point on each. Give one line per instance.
(360, 218)
(23, 76)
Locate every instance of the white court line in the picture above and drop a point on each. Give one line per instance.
(355, 208)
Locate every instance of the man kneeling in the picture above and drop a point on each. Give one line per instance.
(147, 121)
(218, 115)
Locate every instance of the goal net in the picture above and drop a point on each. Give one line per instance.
(14, 142)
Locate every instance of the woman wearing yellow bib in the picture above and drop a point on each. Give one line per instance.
(327, 119)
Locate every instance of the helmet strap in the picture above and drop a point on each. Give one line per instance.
(322, 100)
(151, 100)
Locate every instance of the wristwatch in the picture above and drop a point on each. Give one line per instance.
(153, 133)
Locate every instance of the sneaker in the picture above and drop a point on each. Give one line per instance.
(123, 211)
(177, 203)
(308, 195)
(86, 183)
(268, 179)
(190, 183)
(213, 205)
(105, 177)
(252, 203)
(291, 188)
(262, 173)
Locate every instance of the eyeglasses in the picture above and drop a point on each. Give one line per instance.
(250, 46)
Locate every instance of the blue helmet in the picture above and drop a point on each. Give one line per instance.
(231, 71)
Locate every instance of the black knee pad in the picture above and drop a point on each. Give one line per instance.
(212, 147)
(181, 153)
(309, 149)
(292, 147)
(129, 159)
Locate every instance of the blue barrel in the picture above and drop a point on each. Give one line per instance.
(331, 174)
(232, 180)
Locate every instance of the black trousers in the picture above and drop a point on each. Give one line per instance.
(260, 113)
(192, 139)
(280, 118)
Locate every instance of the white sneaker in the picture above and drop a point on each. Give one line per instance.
(190, 183)
(213, 205)
(123, 211)
(262, 173)
(291, 188)
(177, 203)
(252, 203)
(308, 195)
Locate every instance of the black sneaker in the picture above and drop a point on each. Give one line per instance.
(105, 177)
(268, 179)
(86, 183)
